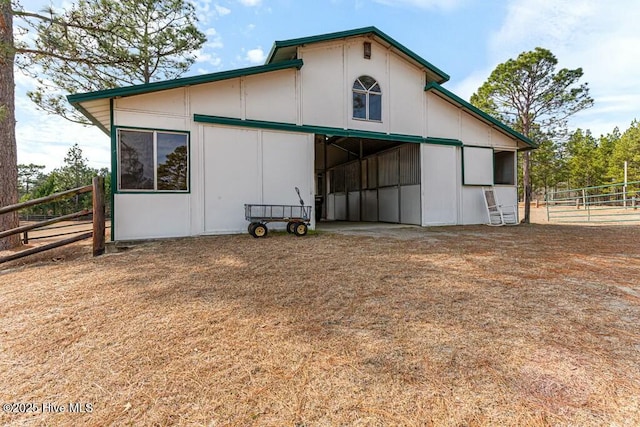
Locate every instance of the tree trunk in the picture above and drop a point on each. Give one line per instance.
(8, 150)
(526, 177)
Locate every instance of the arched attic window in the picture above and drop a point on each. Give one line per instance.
(367, 99)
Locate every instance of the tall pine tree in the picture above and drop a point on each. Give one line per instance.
(535, 98)
(8, 148)
(102, 44)
(95, 45)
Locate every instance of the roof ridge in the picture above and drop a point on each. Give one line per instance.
(442, 77)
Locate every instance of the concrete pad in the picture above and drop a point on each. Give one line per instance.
(373, 229)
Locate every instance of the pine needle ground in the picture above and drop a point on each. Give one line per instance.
(531, 325)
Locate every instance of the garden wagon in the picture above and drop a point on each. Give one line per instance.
(297, 218)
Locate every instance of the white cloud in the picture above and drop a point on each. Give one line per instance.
(206, 13)
(424, 4)
(466, 87)
(600, 37)
(221, 10)
(256, 56)
(214, 40)
(250, 3)
(45, 139)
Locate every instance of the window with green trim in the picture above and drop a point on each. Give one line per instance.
(367, 99)
(150, 160)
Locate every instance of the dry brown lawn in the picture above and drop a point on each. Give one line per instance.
(454, 326)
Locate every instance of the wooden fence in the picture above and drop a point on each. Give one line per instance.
(98, 211)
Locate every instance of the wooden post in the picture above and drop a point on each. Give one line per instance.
(98, 216)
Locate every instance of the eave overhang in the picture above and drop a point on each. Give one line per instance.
(475, 111)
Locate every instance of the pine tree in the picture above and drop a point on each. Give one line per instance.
(8, 148)
(534, 98)
(102, 44)
(95, 45)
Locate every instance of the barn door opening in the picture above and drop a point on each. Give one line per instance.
(369, 180)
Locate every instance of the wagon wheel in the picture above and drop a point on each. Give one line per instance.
(300, 229)
(252, 226)
(291, 225)
(260, 230)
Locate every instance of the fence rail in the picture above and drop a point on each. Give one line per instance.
(605, 203)
(97, 212)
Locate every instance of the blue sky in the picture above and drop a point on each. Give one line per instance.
(464, 38)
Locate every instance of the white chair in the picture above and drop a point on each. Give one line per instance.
(499, 214)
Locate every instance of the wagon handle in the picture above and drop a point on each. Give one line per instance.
(299, 197)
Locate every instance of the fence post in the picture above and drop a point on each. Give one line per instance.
(98, 216)
(586, 204)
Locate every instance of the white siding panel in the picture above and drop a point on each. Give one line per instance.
(323, 85)
(340, 207)
(405, 98)
(507, 195)
(231, 178)
(474, 131)
(354, 206)
(370, 205)
(474, 210)
(439, 185)
(388, 204)
(151, 121)
(331, 205)
(272, 96)
(217, 99)
(410, 204)
(167, 101)
(443, 118)
(146, 216)
(376, 67)
(287, 162)
(500, 140)
(478, 166)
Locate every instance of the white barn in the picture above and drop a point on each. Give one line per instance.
(353, 117)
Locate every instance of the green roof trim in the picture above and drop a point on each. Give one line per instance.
(468, 106)
(181, 82)
(278, 45)
(324, 130)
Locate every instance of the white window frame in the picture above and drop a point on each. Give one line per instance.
(366, 92)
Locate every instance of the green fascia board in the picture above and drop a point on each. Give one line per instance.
(75, 99)
(468, 106)
(444, 77)
(324, 130)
